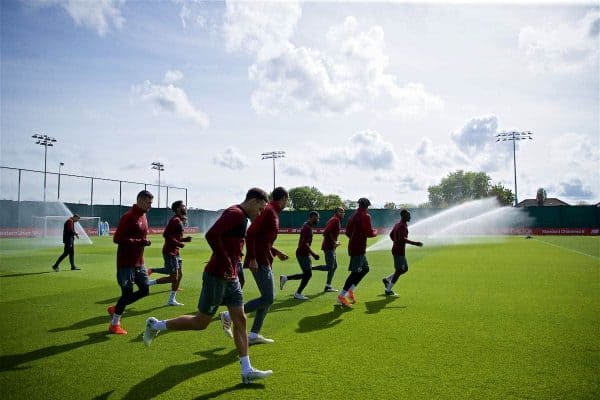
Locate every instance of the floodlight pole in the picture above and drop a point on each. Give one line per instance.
(44, 140)
(160, 167)
(60, 164)
(514, 136)
(273, 155)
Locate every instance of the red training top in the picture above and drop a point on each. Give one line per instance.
(306, 236)
(226, 239)
(173, 235)
(331, 232)
(358, 230)
(398, 235)
(262, 234)
(131, 237)
(69, 230)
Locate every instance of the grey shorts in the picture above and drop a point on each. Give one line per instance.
(126, 277)
(358, 264)
(217, 292)
(330, 259)
(172, 263)
(400, 263)
(305, 263)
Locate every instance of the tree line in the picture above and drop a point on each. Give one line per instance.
(457, 187)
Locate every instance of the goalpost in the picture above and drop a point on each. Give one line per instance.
(51, 226)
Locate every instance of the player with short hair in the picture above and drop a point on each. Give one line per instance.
(174, 240)
(358, 230)
(131, 238)
(303, 254)
(220, 284)
(399, 236)
(69, 235)
(260, 252)
(330, 243)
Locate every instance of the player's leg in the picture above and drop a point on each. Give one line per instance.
(305, 264)
(64, 254)
(264, 281)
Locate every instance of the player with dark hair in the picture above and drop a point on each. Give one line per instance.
(174, 240)
(399, 236)
(303, 254)
(131, 238)
(358, 230)
(259, 258)
(69, 235)
(330, 243)
(220, 284)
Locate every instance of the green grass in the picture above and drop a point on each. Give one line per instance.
(513, 319)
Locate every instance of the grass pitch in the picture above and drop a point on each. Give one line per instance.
(513, 319)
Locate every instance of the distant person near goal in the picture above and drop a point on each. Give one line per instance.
(174, 240)
(69, 235)
(131, 237)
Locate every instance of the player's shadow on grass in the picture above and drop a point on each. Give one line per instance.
(287, 304)
(373, 307)
(321, 321)
(239, 386)
(12, 362)
(29, 273)
(102, 319)
(172, 376)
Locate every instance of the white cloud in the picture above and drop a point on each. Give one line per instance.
(575, 188)
(562, 47)
(172, 99)
(348, 73)
(98, 15)
(366, 150)
(230, 158)
(172, 76)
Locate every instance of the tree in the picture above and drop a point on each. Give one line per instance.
(462, 186)
(350, 204)
(505, 196)
(390, 206)
(330, 202)
(305, 198)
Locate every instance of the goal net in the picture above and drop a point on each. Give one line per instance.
(51, 227)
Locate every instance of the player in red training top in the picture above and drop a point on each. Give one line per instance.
(69, 235)
(131, 236)
(220, 284)
(303, 254)
(174, 240)
(358, 230)
(399, 236)
(330, 243)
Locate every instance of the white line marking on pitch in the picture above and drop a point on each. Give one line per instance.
(568, 249)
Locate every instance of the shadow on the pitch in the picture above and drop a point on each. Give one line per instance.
(12, 362)
(172, 376)
(373, 307)
(103, 396)
(102, 319)
(322, 321)
(29, 273)
(239, 386)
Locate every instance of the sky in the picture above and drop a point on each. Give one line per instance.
(366, 99)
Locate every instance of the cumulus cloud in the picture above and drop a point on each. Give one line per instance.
(562, 47)
(171, 99)
(365, 149)
(351, 75)
(98, 15)
(230, 158)
(575, 188)
(172, 76)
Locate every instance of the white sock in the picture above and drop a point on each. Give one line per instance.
(389, 278)
(252, 335)
(226, 315)
(245, 363)
(390, 285)
(343, 293)
(352, 288)
(116, 319)
(151, 282)
(160, 325)
(172, 296)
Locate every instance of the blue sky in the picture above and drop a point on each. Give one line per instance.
(366, 99)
